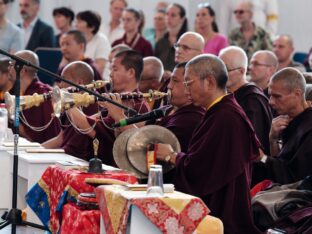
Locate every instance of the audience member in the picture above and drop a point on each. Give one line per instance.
(6, 82)
(11, 37)
(248, 36)
(263, 64)
(205, 24)
(189, 45)
(73, 141)
(132, 19)
(114, 29)
(177, 25)
(265, 15)
(154, 34)
(125, 76)
(63, 19)
(98, 47)
(73, 46)
(40, 124)
(220, 176)
(36, 32)
(152, 73)
(283, 47)
(250, 97)
(152, 79)
(291, 131)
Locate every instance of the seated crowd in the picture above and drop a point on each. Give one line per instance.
(239, 105)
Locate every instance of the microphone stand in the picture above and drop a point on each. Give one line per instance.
(14, 216)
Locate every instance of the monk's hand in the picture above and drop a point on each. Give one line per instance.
(113, 111)
(163, 150)
(278, 125)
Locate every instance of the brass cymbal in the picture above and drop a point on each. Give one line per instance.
(138, 141)
(120, 153)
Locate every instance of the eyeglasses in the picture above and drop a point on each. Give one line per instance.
(256, 64)
(187, 82)
(240, 12)
(233, 69)
(183, 47)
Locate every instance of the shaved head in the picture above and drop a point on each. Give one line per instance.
(189, 45)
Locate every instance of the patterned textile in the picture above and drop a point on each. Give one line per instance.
(79, 221)
(57, 186)
(174, 213)
(259, 41)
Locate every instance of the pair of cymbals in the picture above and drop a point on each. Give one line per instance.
(130, 148)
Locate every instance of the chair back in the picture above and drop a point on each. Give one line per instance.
(49, 58)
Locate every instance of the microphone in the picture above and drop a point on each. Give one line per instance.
(153, 115)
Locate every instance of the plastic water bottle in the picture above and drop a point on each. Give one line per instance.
(3, 122)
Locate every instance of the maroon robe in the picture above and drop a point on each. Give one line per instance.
(105, 133)
(182, 124)
(40, 116)
(294, 162)
(256, 106)
(141, 45)
(76, 143)
(217, 165)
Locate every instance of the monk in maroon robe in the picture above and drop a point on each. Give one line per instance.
(125, 74)
(73, 45)
(291, 131)
(73, 141)
(106, 134)
(40, 116)
(217, 164)
(250, 97)
(38, 124)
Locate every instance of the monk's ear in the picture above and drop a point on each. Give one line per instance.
(298, 93)
(212, 82)
(131, 72)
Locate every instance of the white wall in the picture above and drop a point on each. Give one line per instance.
(293, 14)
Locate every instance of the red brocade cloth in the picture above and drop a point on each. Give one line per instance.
(58, 185)
(75, 220)
(174, 213)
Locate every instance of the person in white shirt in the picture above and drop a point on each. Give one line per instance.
(265, 15)
(98, 46)
(114, 29)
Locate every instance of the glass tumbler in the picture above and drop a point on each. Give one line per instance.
(155, 186)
